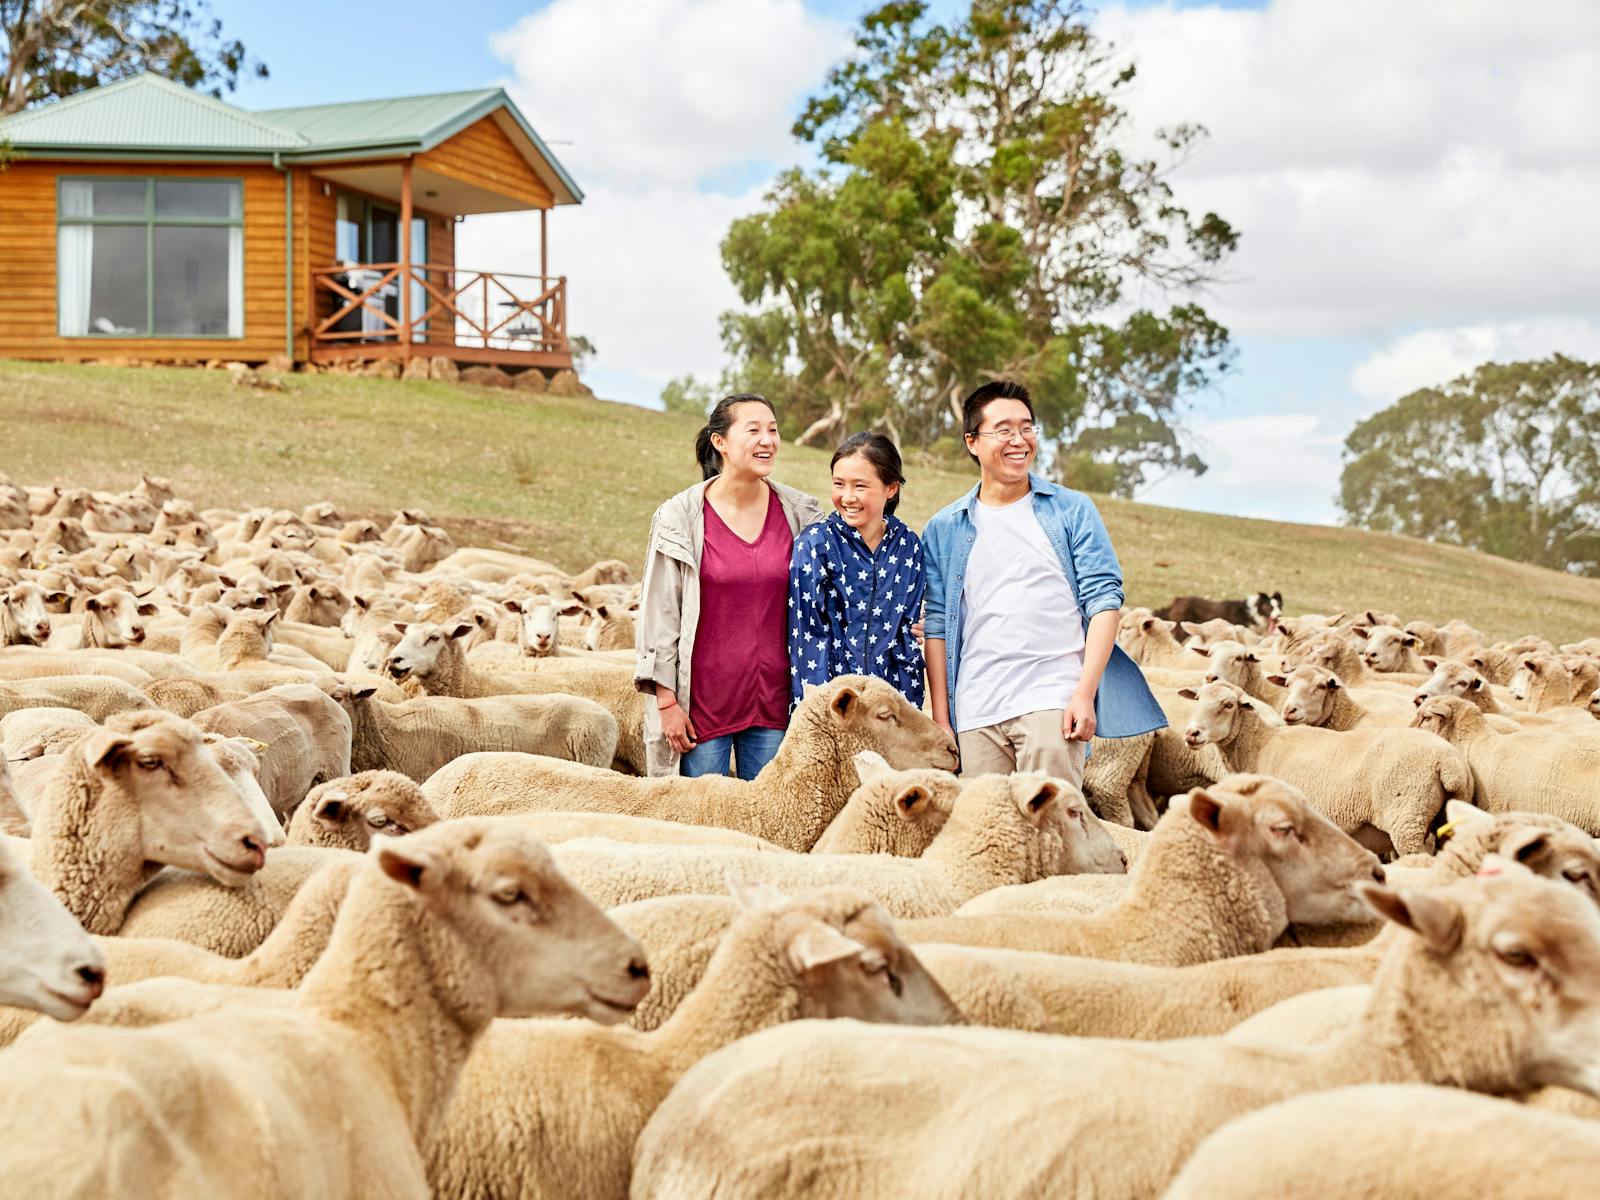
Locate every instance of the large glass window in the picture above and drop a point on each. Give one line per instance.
(150, 258)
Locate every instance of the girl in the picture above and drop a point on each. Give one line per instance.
(855, 581)
(714, 596)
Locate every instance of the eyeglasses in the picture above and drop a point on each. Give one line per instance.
(1029, 432)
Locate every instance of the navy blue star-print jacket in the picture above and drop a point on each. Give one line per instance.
(851, 611)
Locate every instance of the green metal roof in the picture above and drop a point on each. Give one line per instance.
(146, 115)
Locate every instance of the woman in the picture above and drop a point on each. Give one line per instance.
(715, 594)
(856, 582)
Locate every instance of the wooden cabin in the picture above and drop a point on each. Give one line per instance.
(142, 220)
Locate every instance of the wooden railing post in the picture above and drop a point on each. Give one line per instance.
(405, 257)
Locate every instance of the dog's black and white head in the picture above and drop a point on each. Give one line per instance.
(1265, 609)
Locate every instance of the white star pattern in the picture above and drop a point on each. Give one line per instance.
(828, 612)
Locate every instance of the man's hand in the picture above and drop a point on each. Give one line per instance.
(1077, 723)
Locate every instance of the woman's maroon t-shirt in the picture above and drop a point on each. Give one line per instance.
(740, 668)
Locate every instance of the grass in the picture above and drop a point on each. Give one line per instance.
(573, 480)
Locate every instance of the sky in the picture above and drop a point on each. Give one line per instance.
(1415, 183)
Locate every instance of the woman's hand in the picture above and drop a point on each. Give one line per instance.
(676, 726)
(1077, 723)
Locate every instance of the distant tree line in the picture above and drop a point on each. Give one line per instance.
(1505, 460)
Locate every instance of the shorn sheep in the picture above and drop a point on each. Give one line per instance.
(951, 1112)
(441, 932)
(790, 802)
(552, 1108)
(1388, 780)
(47, 962)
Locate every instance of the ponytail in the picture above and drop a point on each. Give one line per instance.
(718, 424)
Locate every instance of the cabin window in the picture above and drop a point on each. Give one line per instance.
(152, 257)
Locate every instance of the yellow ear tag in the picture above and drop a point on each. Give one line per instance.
(1446, 831)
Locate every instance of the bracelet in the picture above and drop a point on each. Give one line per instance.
(660, 707)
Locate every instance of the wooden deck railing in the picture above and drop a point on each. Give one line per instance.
(489, 309)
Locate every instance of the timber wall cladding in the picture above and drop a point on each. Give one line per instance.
(28, 321)
(482, 154)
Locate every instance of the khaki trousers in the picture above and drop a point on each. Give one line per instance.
(1029, 743)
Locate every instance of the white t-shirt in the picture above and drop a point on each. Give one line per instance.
(1021, 635)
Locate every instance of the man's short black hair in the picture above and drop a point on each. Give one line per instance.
(972, 407)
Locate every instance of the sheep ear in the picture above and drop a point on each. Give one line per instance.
(1531, 665)
(1252, 657)
(845, 702)
(412, 866)
(1189, 693)
(147, 610)
(1433, 918)
(1431, 663)
(461, 629)
(1206, 809)
(106, 750)
(1361, 630)
(1524, 845)
(400, 627)
(571, 610)
(815, 944)
(92, 604)
(871, 765)
(513, 606)
(363, 691)
(1190, 628)
(1034, 801)
(331, 808)
(910, 801)
(1202, 651)
(755, 897)
(1278, 680)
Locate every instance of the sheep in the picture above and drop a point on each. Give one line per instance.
(429, 660)
(1497, 666)
(1175, 766)
(328, 646)
(1391, 650)
(608, 571)
(48, 964)
(950, 1112)
(1588, 646)
(1460, 638)
(538, 626)
(1541, 770)
(321, 604)
(1240, 665)
(432, 942)
(555, 827)
(1116, 780)
(552, 1108)
(14, 820)
(1594, 704)
(1239, 861)
(611, 629)
(113, 620)
(347, 812)
(305, 737)
(96, 696)
(1149, 642)
(1452, 678)
(1001, 830)
(34, 732)
(1206, 633)
(1544, 682)
(1430, 640)
(1385, 1140)
(117, 804)
(891, 812)
(1388, 780)
(19, 663)
(1315, 696)
(790, 802)
(419, 736)
(24, 619)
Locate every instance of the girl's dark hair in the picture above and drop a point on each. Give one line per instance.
(719, 422)
(885, 459)
(972, 407)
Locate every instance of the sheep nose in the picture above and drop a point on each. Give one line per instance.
(1377, 873)
(1416, 701)
(94, 978)
(638, 968)
(42, 629)
(254, 851)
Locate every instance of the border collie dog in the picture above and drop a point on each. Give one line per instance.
(1259, 610)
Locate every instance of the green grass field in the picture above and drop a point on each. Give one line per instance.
(574, 480)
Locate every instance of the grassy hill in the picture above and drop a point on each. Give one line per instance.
(575, 479)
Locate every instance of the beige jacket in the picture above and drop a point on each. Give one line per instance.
(669, 608)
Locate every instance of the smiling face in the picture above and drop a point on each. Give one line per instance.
(1004, 460)
(751, 444)
(859, 495)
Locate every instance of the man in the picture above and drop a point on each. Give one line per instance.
(1024, 594)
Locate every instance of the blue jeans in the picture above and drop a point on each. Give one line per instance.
(753, 748)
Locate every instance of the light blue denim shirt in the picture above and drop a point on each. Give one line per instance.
(1123, 707)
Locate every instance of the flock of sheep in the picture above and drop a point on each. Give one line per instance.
(328, 850)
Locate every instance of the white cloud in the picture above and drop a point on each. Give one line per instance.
(1387, 164)
(1279, 465)
(1435, 356)
(660, 100)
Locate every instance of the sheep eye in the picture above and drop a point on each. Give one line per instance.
(507, 895)
(1514, 956)
(377, 820)
(150, 762)
(433, 637)
(1575, 875)
(886, 715)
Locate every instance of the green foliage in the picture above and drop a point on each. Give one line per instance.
(55, 48)
(977, 216)
(687, 397)
(1506, 460)
(581, 349)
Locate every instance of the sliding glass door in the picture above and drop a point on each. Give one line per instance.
(368, 231)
